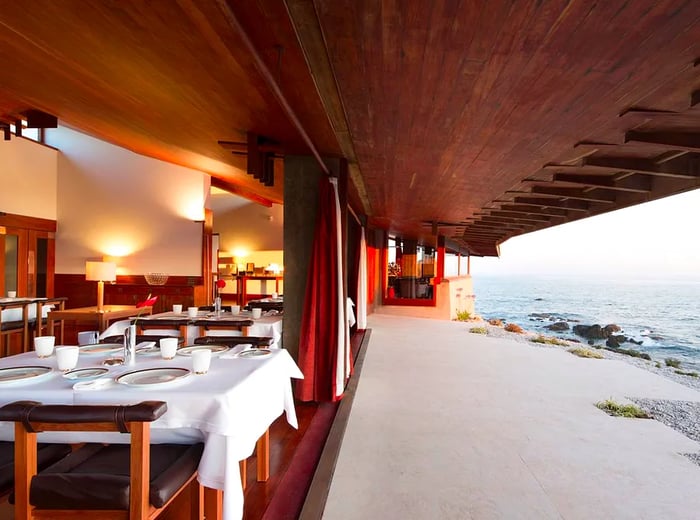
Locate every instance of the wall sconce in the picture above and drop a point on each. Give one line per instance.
(100, 272)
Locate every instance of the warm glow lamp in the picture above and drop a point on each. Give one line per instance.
(101, 272)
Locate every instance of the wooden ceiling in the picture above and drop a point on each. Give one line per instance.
(480, 120)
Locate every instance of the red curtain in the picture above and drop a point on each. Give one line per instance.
(318, 346)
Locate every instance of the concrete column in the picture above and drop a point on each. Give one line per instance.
(301, 178)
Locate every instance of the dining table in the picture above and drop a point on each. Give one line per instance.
(229, 408)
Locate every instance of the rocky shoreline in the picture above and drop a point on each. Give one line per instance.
(631, 356)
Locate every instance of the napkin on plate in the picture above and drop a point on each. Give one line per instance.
(233, 353)
(96, 384)
(145, 345)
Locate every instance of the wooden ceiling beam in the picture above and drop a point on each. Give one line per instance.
(532, 210)
(520, 215)
(680, 140)
(575, 194)
(237, 190)
(272, 84)
(686, 166)
(573, 205)
(634, 183)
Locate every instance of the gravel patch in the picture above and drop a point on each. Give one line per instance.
(650, 366)
(695, 457)
(682, 416)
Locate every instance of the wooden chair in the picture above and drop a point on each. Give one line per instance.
(47, 454)
(109, 482)
(232, 341)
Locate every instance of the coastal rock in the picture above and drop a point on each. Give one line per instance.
(558, 326)
(614, 341)
(596, 331)
(610, 328)
(590, 331)
(632, 340)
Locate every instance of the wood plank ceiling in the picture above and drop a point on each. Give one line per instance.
(479, 119)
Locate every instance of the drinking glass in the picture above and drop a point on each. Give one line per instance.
(201, 359)
(43, 345)
(67, 358)
(168, 347)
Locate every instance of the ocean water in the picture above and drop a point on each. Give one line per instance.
(663, 314)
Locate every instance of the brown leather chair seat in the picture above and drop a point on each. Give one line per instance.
(47, 454)
(97, 477)
(232, 341)
(140, 338)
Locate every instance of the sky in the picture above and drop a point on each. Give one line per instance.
(658, 240)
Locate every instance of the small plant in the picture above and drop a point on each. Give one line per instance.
(657, 364)
(549, 341)
(673, 362)
(682, 373)
(622, 410)
(478, 330)
(586, 353)
(512, 327)
(630, 352)
(496, 322)
(463, 315)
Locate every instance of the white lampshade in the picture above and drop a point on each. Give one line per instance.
(101, 271)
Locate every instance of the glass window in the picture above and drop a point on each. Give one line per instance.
(411, 268)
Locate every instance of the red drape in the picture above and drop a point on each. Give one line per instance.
(318, 346)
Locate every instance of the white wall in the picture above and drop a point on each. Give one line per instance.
(250, 227)
(113, 202)
(28, 173)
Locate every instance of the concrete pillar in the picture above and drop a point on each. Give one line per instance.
(301, 178)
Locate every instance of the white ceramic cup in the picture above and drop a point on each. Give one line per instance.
(201, 359)
(12, 294)
(257, 312)
(43, 345)
(168, 347)
(177, 308)
(275, 295)
(192, 312)
(67, 358)
(235, 309)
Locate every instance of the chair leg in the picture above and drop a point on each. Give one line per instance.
(213, 504)
(25, 469)
(262, 453)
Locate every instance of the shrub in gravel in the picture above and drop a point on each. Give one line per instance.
(621, 410)
(631, 352)
(463, 315)
(549, 341)
(673, 362)
(512, 327)
(478, 330)
(682, 373)
(586, 353)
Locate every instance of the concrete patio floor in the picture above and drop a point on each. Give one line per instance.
(452, 425)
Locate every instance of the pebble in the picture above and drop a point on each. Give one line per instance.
(682, 416)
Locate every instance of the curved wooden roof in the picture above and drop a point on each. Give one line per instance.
(479, 119)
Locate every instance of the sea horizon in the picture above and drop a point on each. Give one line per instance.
(661, 312)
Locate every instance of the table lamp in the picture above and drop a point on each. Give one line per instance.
(101, 272)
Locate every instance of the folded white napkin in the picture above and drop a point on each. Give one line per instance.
(233, 353)
(96, 384)
(145, 344)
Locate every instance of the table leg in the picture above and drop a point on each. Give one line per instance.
(213, 504)
(263, 454)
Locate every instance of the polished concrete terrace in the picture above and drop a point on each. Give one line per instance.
(451, 425)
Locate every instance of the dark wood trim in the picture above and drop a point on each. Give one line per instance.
(238, 190)
(187, 281)
(317, 496)
(25, 222)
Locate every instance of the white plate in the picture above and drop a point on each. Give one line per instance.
(150, 377)
(101, 348)
(17, 375)
(255, 353)
(216, 350)
(85, 374)
(153, 350)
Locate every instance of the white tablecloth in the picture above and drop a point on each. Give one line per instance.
(229, 408)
